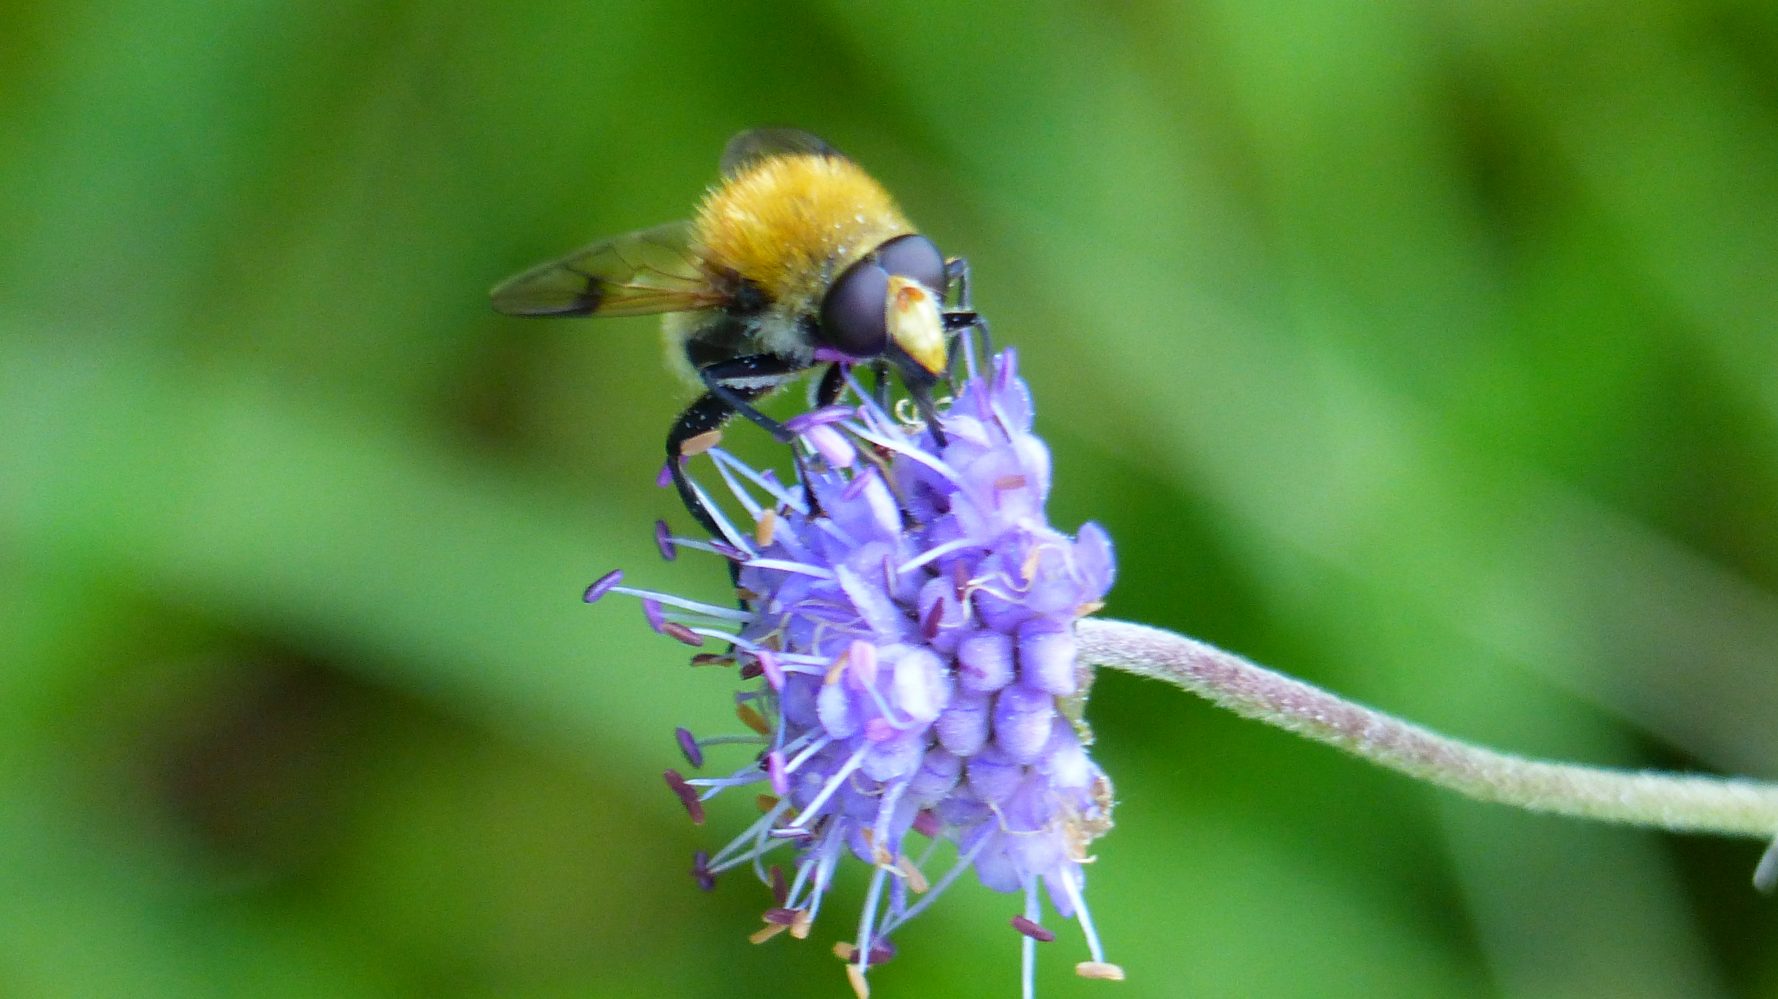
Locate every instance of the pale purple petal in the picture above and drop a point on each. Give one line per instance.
(1022, 717)
(1047, 658)
(985, 661)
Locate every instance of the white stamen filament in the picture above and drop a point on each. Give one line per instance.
(830, 855)
(1081, 915)
(777, 491)
(886, 811)
(938, 887)
(867, 921)
(728, 856)
(723, 524)
(695, 606)
(912, 453)
(937, 552)
(791, 766)
(745, 498)
(784, 565)
(827, 791)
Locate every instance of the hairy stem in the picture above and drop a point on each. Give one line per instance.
(1682, 803)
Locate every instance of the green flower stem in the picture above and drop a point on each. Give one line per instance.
(1721, 805)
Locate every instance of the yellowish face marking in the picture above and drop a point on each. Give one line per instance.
(912, 317)
(792, 223)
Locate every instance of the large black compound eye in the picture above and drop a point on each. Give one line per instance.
(914, 256)
(853, 313)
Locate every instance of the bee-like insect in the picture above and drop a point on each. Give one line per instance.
(795, 259)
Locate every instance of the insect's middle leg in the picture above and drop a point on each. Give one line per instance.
(741, 380)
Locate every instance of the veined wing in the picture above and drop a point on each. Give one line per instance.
(756, 144)
(637, 274)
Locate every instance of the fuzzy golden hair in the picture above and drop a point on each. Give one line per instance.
(792, 223)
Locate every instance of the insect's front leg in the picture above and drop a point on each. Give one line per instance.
(962, 316)
(957, 279)
(833, 382)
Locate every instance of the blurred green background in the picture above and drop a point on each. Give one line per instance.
(1422, 350)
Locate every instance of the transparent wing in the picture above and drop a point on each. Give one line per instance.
(632, 275)
(758, 143)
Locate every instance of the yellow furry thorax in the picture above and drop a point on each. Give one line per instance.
(791, 224)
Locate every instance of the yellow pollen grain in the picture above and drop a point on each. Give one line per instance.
(1099, 970)
(751, 718)
(799, 925)
(699, 443)
(766, 802)
(917, 882)
(844, 951)
(766, 932)
(766, 527)
(860, 987)
(838, 667)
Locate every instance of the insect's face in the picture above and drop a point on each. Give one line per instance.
(887, 304)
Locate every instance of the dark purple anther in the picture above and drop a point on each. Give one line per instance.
(665, 478)
(663, 539)
(1032, 930)
(694, 753)
(768, 666)
(780, 916)
(926, 823)
(688, 796)
(929, 624)
(675, 630)
(780, 888)
(751, 669)
(651, 609)
(603, 585)
(700, 871)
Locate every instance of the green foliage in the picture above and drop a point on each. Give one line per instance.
(1425, 351)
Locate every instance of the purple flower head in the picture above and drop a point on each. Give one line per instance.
(909, 613)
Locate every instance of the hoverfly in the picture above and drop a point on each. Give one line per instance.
(796, 258)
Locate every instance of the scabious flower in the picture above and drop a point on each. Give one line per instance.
(908, 613)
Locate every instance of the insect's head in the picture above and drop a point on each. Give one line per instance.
(888, 305)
